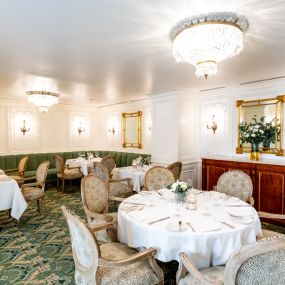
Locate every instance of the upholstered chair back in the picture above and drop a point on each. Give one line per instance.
(41, 173)
(59, 163)
(261, 263)
(158, 177)
(109, 161)
(84, 249)
(235, 183)
(175, 168)
(22, 166)
(101, 171)
(94, 194)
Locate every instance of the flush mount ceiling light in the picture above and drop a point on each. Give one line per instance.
(43, 99)
(206, 39)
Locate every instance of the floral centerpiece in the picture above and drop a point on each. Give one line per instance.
(259, 131)
(83, 154)
(180, 189)
(141, 161)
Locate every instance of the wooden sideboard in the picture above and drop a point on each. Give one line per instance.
(267, 179)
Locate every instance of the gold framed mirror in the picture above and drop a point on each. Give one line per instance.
(261, 120)
(132, 129)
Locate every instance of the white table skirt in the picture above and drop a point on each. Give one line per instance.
(83, 163)
(207, 248)
(136, 174)
(11, 197)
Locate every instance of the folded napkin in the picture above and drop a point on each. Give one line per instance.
(240, 212)
(206, 225)
(1, 172)
(4, 178)
(146, 216)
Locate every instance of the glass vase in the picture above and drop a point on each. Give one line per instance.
(180, 197)
(254, 153)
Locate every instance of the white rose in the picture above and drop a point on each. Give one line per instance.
(257, 126)
(253, 135)
(261, 131)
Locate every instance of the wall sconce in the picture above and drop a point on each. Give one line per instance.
(24, 129)
(112, 130)
(80, 129)
(214, 125)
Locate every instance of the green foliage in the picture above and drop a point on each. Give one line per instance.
(259, 131)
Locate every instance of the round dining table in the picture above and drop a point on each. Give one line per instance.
(209, 230)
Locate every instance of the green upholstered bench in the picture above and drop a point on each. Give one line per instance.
(11, 161)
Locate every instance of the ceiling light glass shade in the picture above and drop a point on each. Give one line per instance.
(205, 40)
(43, 99)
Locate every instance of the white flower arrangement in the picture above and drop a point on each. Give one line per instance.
(179, 187)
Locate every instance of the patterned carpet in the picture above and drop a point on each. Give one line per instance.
(39, 251)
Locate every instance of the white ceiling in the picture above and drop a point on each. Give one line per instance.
(110, 51)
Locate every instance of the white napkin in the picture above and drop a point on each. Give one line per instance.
(233, 201)
(1, 172)
(240, 212)
(206, 225)
(146, 216)
(4, 178)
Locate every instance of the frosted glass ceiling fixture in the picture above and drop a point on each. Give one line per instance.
(206, 39)
(43, 99)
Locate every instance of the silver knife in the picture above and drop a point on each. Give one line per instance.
(159, 220)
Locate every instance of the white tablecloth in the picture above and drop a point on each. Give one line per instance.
(136, 174)
(211, 244)
(83, 163)
(11, 197)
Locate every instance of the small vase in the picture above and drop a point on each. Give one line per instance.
(254, 154)
(180, 197)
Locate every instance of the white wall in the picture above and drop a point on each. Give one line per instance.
(55, 130)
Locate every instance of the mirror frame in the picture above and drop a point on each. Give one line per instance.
(138, 142)
(278, 100)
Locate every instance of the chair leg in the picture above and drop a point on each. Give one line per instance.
(57, 184)
(63, 182)
(43, 206)
(38, 206)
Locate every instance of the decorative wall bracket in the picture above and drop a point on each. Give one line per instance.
(80, 129)
(23, 129)
(214, 125)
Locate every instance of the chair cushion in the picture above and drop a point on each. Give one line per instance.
(32, 193)
(138, 273)
(215, 273)
(119, 189)
(70, 174)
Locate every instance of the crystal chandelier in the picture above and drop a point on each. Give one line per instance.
(206, 39)
(43, 99)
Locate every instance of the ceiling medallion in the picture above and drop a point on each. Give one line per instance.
(43, 99)
(206, 39)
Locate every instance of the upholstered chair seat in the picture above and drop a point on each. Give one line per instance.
(18, 174)
(110, 263)
(35, 191)
(119, 189)
(238, 184)
(73, 173)
(259, 263)
(139, 273)
(158, 177)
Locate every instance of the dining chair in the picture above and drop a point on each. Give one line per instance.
(158, 177)
(261, 263)
(94, 194)
(18, 174)
(118, 188)
(35, 191)
(65, 173)
(269, 233)
(109, 263)
(110, 162)
(238, 184)
(175, 168)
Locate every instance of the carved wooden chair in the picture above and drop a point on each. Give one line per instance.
(118, 188)
(268, 233)
(65, 173)
(158, 177)
(109, 263)
(94, 194)
(18, 174)
(110, 162)
(260, 263)
(36, 190)
(175, 168)
(238, 184)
